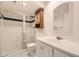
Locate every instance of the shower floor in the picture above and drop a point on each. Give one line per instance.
(23, 53)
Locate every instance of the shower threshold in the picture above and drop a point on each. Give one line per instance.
(23, 53)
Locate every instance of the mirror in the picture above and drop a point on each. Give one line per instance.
(62, 19)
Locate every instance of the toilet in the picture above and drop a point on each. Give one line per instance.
(31, 48)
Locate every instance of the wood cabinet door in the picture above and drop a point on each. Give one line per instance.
(39, 18)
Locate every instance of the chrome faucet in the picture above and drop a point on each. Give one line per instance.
(59, 38)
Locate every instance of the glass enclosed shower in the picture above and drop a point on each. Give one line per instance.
(16, 32)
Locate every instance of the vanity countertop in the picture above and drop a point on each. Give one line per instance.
(64, 45)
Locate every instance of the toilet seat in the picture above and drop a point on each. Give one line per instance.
(31, 45)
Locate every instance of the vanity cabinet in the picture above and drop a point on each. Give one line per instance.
(58, 53)
(44, 50)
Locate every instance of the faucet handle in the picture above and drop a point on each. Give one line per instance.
(59, 38)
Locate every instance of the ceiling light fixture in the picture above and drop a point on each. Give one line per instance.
(24, 4)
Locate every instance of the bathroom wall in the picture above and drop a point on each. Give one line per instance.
(0, 36)
(11, 14)
(30, 32)
(76, 21)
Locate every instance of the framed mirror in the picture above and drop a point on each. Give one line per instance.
(63, 19)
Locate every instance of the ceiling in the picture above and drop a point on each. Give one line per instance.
(17, 6)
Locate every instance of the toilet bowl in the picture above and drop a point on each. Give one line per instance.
(31, 48)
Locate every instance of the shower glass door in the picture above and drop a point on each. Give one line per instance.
(11, 34)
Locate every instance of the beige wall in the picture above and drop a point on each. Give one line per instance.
(76, 21)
